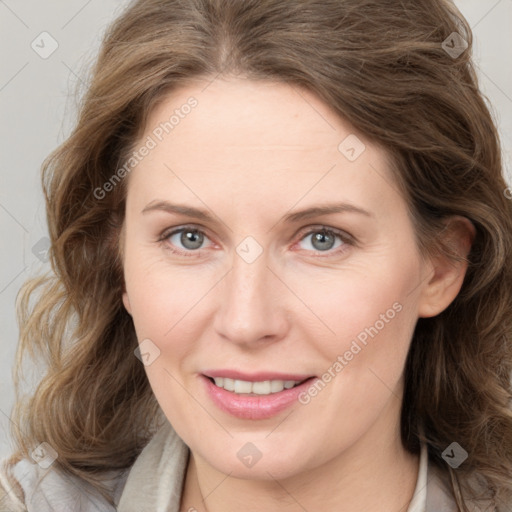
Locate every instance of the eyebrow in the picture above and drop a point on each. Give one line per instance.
(306, 213)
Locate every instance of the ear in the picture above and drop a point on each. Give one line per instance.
(121, 242)
(126, 302)
(446, 274)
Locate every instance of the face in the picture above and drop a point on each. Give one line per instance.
(234, 272)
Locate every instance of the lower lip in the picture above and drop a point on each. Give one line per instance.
(254, 407)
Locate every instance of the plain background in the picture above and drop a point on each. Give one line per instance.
(37, 111)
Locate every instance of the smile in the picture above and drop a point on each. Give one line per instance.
(265, 387)
(254, 399)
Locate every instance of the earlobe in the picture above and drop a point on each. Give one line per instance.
(447, 275)
(126, 302)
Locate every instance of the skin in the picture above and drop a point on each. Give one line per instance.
(250, 153)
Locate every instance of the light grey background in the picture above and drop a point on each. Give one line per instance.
(37, 110)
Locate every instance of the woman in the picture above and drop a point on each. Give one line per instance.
(282, 252)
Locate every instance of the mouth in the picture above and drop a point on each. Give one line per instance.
(259, 398)
(255, 388)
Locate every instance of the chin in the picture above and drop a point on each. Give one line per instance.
(260, 460)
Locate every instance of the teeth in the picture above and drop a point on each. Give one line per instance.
(265, 387)
(275, 386)
(261, 388)
(242, 386)
(229, 384)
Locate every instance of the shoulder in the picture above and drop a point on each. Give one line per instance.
(25, 486)
(440, 495)
(12, 498)
(159, 470)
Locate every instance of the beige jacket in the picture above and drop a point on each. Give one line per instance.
(154, 484)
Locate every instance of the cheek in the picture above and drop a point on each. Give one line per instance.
(166, 302)
(359, 306)
(165, 308)
(373, 326)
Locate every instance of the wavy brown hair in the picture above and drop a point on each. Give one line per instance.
(381, 66)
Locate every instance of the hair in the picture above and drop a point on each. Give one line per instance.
(381, 67)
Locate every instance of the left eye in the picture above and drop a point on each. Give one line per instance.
(324, 239)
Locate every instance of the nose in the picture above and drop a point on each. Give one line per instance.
(252, 307)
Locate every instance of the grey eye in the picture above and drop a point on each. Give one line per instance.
(322, 240)
(189, 238)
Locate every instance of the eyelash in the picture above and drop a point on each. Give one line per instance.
(344, 237)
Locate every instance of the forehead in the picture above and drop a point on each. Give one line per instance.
(249, 115)
(255, 141)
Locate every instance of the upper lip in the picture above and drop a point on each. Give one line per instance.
(255, 377)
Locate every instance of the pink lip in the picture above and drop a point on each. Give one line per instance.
(254, 407)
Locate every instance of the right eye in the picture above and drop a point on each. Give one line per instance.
(189, 238)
